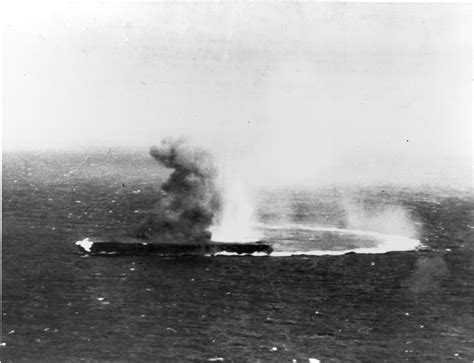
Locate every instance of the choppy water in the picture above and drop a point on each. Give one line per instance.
(409, 304)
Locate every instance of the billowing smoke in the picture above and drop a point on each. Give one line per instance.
(190, 198)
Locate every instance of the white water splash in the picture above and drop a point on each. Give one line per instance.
(255, 254)
(236, 224)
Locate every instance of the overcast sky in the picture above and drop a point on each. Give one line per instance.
(289, 92)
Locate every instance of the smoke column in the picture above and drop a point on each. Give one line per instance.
(189, 197)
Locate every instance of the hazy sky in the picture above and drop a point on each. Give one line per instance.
(289, 92)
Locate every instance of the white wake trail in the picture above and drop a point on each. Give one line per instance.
(388, 242)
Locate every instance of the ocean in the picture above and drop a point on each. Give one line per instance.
(359, 273)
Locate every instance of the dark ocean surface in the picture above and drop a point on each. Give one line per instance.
(413, 305)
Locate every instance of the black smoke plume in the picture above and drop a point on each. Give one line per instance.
(189, 197)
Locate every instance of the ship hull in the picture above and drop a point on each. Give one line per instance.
(137, 247)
